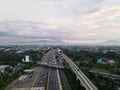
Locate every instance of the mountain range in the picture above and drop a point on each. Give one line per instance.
(111, 42)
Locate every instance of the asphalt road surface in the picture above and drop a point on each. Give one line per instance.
(53, 83)
(42, 78)
(53, 80)
(48, 77)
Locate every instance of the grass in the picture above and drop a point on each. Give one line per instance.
(95, 68)
(77, 62)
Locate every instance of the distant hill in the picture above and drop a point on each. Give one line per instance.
(111, 42)
(38, 42)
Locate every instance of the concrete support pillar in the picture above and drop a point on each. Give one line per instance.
(77, 77)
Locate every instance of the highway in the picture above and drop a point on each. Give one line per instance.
(80, 75)
(42, 75)
(48, 77)
(53, 82)
(43, 78)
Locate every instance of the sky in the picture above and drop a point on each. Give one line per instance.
(59, 21)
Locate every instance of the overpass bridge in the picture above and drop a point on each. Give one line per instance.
(50, 65)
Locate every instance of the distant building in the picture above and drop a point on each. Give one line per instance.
(19, 51)
(3, 67)
(100, 61)
(111, 61)
(105, 51)
(27, 59)
(105, 61)
(28, 71)
(23, 60)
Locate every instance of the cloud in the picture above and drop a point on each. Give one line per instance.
(31, 30)
(75, 21)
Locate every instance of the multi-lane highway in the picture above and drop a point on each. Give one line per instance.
(48, 77)
(43, 78)
(80, 75)
(53, 78)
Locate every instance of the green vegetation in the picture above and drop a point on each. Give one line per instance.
(99, 69)
(77, 62)
(104, 83)
(87, 61)
(6, 79)
(12, 58)
(65, 63)
(74, 83)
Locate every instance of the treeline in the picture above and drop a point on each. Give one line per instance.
(6, 79)
(104, 83)
(12, 58)
(89, 60)
(81, 55)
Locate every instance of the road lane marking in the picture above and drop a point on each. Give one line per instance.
(37, 74)
(48, 79)
(59, 80)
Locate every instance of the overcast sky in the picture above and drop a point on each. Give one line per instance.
(69, 21)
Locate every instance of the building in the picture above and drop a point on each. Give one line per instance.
(3, 67)
(101, 61)
(111, 61)
(105, 61)
(26, 59)
(28, 71)
(19, 51)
